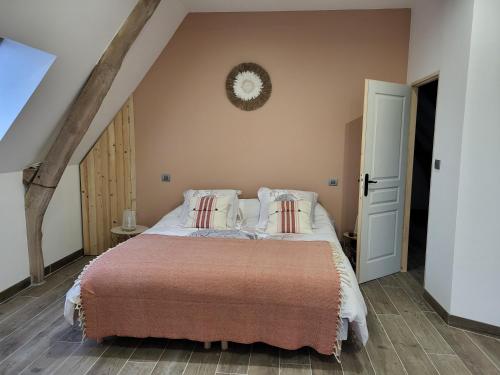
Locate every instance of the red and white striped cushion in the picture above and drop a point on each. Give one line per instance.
(289, 216)
(232, 213)
(208, 212)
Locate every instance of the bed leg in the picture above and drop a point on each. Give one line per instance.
(207, 345)
(99, 340)
(223, 345)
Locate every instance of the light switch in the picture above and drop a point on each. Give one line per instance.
(437, 164)
(333, 182)
(165, 177)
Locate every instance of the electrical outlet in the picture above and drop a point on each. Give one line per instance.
(333, 182)
(165, 177)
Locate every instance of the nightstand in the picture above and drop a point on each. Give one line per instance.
(350, 243)
(118, 235)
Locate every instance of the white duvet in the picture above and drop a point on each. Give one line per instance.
(353, 309)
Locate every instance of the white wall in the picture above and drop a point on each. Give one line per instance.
(439, 41)
(13, 246)
(460, 39)
(476, 268)
(426, 38)
(62, 225)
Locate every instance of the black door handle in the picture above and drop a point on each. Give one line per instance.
(368, 181)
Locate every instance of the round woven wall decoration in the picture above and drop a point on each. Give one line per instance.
(248, 86)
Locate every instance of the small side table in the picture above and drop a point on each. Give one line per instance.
(350, 243)
(118, 235)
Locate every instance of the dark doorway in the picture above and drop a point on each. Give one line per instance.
(422, 167)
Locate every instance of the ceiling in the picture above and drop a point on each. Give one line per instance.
(78, 32)
(290, 5)
(62, 28)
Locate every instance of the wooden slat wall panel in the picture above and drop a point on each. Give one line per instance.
(112, 175)
(98, 192)
(92, 205)
(132, 153)
(85, 203)
(126, 155)
(107, 178)
(120, 181)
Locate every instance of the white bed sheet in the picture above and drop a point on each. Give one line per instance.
(353, 309)
(353, 305)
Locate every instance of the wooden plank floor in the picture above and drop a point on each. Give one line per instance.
(406, 337)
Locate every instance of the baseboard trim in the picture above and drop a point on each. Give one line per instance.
(473, 325)
(436, 306)
(51, 268)
(14, 289)
(459, 322)
(62, 262)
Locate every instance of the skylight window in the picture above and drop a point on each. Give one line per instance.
(22, 68)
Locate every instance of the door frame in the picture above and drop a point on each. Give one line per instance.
(409, 168)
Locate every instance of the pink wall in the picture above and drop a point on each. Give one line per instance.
(352, 159)
(317, 61)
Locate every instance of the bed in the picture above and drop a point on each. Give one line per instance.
(352, 309)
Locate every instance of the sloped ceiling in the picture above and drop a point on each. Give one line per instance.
(78, 32)
(290, 5)
(141, 56)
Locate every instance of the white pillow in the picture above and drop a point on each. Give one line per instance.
(266, 196)
(233, 208)
(289, 216)
(208, 212)
(249, 212)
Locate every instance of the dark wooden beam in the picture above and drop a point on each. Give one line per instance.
(80, 116)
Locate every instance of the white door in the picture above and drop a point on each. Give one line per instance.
(382, 179)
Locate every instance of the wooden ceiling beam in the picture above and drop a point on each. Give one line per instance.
(80, 115)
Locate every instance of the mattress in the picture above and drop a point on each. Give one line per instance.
(353, 308)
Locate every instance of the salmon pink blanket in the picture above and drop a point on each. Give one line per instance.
(283, 293)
